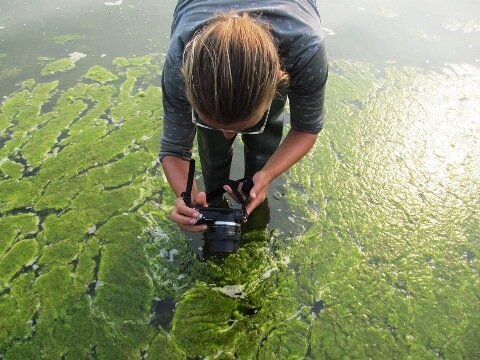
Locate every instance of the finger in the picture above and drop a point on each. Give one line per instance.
(201, 199)
(187, 223)
(230, 192)
(253, 193)
(185, 210)
(186, 217)
(252, 205)
(182, 219)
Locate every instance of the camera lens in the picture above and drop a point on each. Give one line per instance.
(223, 237)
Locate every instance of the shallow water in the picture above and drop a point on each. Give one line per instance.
(373, 248)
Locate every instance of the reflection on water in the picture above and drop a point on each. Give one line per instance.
(419, 33)
(373, 246)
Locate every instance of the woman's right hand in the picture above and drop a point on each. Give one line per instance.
(186, 217)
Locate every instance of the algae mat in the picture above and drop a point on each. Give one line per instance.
(91, 267)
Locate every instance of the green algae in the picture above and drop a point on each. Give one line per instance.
(22, 254)
(17, 309)
(64, 39)
(11, 169)
(204, 327)
(141, 61)
(17, 194)
(399, 289)
(87, 249)
(54, 335)
(163, 346)
(28, 84)
(9, 73)
(122, 272)
(43, 140)
(15, 228)
(22, 111)
(87, 263)
(100, 74)
(355, 284)
(121, 61)
(75, 249)
(56, 66)
(91, 207)
(59, 254)
(243, 313)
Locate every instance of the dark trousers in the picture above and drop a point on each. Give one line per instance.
(216, 152)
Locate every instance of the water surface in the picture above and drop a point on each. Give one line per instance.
(373, 248)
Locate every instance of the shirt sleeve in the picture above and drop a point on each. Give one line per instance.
(307, 92)
(178, 129)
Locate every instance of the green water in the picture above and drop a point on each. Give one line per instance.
(383, 262)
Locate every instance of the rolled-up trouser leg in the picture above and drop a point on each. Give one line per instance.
(215, 156)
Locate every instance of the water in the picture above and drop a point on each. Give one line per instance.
(373, 246)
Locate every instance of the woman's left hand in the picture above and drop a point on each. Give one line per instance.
(257, 194)
(259, 191)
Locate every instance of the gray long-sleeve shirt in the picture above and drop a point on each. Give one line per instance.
(295, 24)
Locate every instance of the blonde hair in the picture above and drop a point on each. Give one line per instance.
(231, 68)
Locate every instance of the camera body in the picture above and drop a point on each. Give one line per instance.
(224, 224)
(224, 228)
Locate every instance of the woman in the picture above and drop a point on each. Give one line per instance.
(228, 71)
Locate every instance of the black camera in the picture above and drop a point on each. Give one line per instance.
(224, 224)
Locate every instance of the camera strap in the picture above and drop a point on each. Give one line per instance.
(247, 185)
(234, 184)
(187, 194)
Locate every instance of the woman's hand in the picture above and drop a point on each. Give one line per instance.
(186, 217)
(258, 193)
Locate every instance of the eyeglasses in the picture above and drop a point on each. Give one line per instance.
(253, 130)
